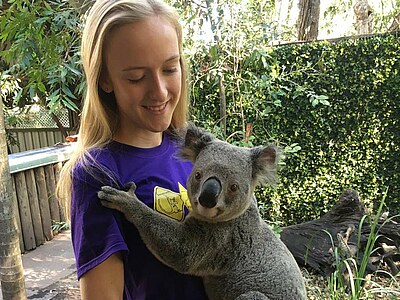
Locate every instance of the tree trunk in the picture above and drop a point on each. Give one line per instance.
(364, 14)
(220, 76)
(222, 103)
(11, 270)
(395, 24)
(308, 20)
(311, 242)
(59, 125)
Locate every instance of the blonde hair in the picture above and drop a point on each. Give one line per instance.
(99, 119)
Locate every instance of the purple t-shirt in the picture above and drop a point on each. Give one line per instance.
(98, 232)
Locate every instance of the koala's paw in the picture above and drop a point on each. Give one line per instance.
(117, 199)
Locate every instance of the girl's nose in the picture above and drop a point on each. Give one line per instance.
(158, 88)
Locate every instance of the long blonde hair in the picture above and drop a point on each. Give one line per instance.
(99, 119)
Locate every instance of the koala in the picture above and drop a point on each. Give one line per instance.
(223, 239)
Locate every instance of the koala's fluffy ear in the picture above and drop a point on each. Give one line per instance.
(265, 161)
(195, 139)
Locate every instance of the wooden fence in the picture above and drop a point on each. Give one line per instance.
(26, 139)
(35, 175)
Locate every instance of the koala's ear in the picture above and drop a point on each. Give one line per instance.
(194, 141)
(265, 161)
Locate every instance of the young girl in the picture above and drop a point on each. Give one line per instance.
(135, 100)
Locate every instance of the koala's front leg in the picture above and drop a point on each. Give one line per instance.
(164, 237)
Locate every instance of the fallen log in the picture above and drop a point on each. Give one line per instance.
(313, 243)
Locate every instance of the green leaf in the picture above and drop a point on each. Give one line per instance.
(72, 69)
(324, 102)
(32, 92)
(41, 87)
(214, 52)
(264, 62)
(322, 97)
(69, 104)
(67, 91)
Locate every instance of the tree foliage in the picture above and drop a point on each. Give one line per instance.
(352, 142)
(219, 51)
(40, 54)
(334, 106)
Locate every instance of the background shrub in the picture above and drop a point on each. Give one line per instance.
(337, 102)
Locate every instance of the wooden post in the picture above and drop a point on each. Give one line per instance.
(43, 202)
(51, 192)
(21, 141)
(35, 209)
(17, 218)
(25, 211)
(50, 138)
(57, 170)
(28, 141)
(36, 140)
(43, 139)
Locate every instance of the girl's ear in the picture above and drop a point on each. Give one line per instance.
(105, 83)
(195, 140)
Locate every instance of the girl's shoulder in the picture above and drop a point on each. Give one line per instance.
(96, 164)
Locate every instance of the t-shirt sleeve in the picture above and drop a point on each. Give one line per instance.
(95, 230)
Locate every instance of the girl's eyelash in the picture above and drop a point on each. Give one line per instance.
(171, 70)
(135, 80)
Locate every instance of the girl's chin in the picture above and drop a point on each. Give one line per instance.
(160, 127)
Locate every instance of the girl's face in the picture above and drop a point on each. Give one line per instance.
(142, 68)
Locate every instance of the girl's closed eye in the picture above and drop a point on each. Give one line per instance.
(171, 70)
(136, 80)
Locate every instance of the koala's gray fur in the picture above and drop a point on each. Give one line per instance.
(223, 240)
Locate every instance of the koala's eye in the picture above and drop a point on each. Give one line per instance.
(197, 176)
(234, 187)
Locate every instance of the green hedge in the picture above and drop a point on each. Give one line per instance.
(340, 102)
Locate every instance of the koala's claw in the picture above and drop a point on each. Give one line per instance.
(116, 199)
(108, 190)
(130, 187)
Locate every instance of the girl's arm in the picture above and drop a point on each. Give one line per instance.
(105, 281)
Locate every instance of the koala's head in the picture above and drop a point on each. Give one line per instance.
(222, 182)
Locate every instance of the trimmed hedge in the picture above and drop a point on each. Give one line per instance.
(340, 102)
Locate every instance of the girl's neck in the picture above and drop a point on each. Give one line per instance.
(140, 140)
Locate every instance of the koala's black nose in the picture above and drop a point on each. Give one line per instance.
(209, 192)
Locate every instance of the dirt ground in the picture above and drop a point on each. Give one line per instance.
(65, 289)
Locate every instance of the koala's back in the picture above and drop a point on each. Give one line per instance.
(261, 263)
